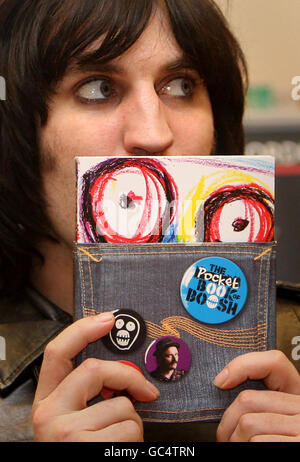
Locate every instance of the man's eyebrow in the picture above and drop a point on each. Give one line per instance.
(177, 64)
(92, 66)
(115, 68)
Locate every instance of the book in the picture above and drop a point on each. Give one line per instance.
(182, 251)
(175, 199)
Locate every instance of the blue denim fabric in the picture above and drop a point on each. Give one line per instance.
(146, 278)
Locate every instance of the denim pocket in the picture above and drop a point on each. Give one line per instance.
(146, 279)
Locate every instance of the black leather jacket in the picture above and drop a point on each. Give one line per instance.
(29, 325)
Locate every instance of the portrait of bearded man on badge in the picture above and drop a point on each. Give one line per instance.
(167, 357)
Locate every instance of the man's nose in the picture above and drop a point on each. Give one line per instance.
(146, 126)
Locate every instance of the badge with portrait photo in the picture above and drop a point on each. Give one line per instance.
(168, 359)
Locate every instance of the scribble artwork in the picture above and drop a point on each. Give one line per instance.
(175, 199)
(251, 212)
(127, 200)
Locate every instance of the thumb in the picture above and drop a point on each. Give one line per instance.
(273, 367)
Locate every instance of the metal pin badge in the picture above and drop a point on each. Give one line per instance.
(168, 359)
(128, 333)
(214, 290)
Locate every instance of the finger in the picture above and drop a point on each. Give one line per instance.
(108, 393)
(58, 355)
(87, 380)
(273, 367)
(127, 431)
(251, 425)
(94, 418)
(256, 401)
(275, 439)
(107, 413)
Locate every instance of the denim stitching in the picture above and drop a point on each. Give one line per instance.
(213, 336)
(180, 252)
(189, 411)
(263, 253)
(268, 264)
(260, 328)
(82, 282)
(165, 244)
(91, 282)
(83, 250)
(220, 337)
(259, 334)
(199, 418)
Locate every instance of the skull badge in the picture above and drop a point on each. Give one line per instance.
(128, 332)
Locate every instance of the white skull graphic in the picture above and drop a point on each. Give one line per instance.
(125, 331)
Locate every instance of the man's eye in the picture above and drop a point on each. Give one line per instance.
(95, 90)
(179, 87)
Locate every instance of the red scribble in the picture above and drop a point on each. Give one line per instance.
(257, 203)
(151, 178)
(134, 198)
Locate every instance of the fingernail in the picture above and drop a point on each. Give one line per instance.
(153, 389)
(221, 378)
(104, 317)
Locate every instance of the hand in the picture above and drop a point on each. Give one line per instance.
(60, 411)
(261, 415)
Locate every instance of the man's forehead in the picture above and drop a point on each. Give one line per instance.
(155, 45)
(172, 348)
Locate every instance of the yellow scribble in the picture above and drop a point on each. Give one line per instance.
(206, 186)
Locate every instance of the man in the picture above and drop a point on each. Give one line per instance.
(167, 357)
(106, 77)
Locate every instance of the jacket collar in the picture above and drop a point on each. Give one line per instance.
(26, 328)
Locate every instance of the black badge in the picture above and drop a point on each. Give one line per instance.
(128, 333)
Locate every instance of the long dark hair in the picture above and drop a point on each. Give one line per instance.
(39, 39)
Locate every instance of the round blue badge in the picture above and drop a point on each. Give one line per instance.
(214, 290)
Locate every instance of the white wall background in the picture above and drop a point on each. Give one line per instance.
(269, 33)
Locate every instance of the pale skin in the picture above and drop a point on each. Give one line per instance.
(168, 362)
(141, 105)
